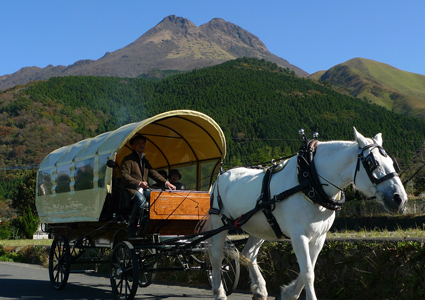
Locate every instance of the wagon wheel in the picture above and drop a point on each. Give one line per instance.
(59, 262)
(230, 272)
(148, 265)
(124, 271)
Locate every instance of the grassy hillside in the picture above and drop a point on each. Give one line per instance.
(379, 83)
(259, 106)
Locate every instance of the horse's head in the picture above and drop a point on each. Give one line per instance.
(376, 173)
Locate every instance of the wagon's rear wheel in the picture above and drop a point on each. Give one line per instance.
(230, 271)
(124, 271)
(59, 262)
(148, 265)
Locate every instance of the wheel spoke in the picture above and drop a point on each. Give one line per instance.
(124, 271)
(59, 262)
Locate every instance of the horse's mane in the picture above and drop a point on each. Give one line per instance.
(339, 143)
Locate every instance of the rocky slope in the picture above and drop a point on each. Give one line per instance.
(174, 44)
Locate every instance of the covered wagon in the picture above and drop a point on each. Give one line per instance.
(79, 198)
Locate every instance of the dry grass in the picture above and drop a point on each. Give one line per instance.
(19, 243)
(378, 233)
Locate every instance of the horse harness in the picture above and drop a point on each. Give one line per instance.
(370, 164)
(309, 184)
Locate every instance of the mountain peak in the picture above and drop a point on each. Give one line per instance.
(173, 20)
(175, 43)
(217, 20)
(224, 32)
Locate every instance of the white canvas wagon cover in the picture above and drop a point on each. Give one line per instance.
(73, 181)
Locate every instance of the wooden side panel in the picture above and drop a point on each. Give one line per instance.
(172, 227)
(179, 205)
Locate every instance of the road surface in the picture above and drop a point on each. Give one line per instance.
(23, 281)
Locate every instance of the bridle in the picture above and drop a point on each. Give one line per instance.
(370, 164)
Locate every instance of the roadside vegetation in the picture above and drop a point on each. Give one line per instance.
(345, 268)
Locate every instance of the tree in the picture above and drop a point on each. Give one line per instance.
(29, 223)
(6, 211)
(24, 197)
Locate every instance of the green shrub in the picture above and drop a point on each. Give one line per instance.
(25, 226)
(30, 223)
(5, 232)
(10, 256)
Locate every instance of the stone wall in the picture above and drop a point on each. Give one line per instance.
(371, 215)
(371, 208)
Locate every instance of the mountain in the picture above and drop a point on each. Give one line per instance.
(396, 90)
(259, 106)
(174, 44)
(252, 100)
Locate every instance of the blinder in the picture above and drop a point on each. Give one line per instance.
(370, 164)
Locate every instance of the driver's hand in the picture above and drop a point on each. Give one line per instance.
(144, 185)
(170, 186)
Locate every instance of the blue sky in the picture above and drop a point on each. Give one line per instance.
(313, 35)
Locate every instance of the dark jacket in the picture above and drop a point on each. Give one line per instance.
(132, 172)
(179, 186)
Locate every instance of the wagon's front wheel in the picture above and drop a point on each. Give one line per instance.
(124, 271)
(59, 262)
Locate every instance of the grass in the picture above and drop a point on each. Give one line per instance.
(378, 233)
(21, 243)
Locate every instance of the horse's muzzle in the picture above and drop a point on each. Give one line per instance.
(396, 204)
(397, 200)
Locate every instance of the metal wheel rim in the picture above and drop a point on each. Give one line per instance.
(59, 262)
(124, 271)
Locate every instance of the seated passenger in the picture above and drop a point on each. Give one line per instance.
(160, 185)
(174, 178)
(135, 169)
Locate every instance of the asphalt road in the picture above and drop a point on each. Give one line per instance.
(23, 281)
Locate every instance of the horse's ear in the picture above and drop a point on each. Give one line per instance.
(359, 138)
(378, 139)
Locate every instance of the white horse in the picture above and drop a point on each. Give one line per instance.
(304, 222)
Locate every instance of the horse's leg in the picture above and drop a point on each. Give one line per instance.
(258, 284)
(315, 248)
(306, 277)
(216, 256)
(293, 290)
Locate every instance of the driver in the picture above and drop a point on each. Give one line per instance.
(135, 170)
